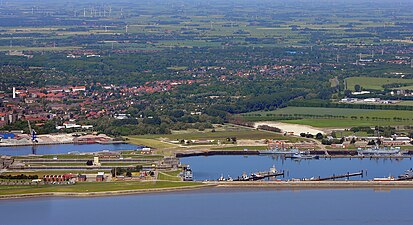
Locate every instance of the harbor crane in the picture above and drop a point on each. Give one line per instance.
(32, 133)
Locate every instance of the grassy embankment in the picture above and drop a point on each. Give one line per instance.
(88, 187)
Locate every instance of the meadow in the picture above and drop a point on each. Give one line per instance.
(374, 83)
(334, 117)
(220, 132)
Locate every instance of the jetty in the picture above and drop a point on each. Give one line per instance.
(347, 175)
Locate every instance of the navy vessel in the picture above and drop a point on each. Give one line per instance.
(279, 151)
(376, 151)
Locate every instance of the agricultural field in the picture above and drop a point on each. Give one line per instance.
(334, 117)
(374, 83)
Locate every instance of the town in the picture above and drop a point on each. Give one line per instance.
(290, 108)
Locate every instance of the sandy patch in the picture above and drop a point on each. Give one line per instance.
(286, 127)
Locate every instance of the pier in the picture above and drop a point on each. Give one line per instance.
(320, 154)
(216, 152)
(347, 175)
(259, 176)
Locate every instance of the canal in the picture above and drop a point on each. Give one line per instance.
(212, 167)
(63, 149)
(218, 206)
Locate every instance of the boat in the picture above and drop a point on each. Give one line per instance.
(244, 177)
(376, 151)
(278, 151)
(260, 175)
(389, 178)
(299, 156)
(187, 174)
(222, 178)
(408, 175)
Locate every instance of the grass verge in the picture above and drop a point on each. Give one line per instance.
(88, 187)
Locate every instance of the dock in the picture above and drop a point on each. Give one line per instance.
(347, 175)
(328, 154)
(215, 152)
(260, 176)
(312, 185)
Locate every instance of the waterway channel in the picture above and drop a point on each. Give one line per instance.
(218, 207)
(212, 167)
(63, 149)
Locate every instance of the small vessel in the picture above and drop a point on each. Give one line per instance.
(299, 156)
(73, 153)
(222, 178)
(408, 175)
(187, 174)
(244, 177)
(260, 175)
(389, 178)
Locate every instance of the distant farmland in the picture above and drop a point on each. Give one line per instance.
(374, 83)
(334, 117)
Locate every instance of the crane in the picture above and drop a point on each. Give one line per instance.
(32, 132)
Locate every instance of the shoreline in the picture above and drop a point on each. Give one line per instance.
(267, 185)
(104, 193)
(311, 185)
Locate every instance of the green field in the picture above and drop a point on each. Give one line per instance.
(87, 187)
(319, 111)
(149, 141)
(242, 148)
(408, 103)
(332, 123)
(374, 83)
(410, 87)
(222, 132)
(169, 175)
(334, 117)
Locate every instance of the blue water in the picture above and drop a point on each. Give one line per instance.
(218, 207)
(211, 168)
(63, 149)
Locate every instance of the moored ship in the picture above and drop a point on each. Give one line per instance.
(376, 151)
(279, 151)
(187, 174)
